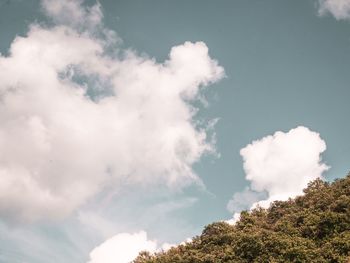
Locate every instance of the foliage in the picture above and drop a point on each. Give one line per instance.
(314, 227)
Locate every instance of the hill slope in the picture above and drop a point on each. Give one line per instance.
(314, 227)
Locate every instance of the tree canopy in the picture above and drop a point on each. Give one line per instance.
(314, 227)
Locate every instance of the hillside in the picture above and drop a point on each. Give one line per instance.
(314, 227)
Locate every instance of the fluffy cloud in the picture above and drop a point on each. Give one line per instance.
(122, 248)
(340, 9)
(280, 165)
(77, 117)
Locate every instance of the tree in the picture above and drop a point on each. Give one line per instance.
(314, 227)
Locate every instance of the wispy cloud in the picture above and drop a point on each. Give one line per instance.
(340, 9)
(74, 13)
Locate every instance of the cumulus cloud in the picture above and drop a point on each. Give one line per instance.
(122, 248)
(280, 165)
(340, 9)
(77, 117)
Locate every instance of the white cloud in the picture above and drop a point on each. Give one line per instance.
(75, 119)
(122, 248)
(282, 165)
(125, 247)
(340, 9)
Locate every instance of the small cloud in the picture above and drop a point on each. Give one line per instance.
(340, 9)
(73, 13)
(279, 167)
(125, 247)
(122, 248)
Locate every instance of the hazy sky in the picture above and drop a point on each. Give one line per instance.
(130, 125)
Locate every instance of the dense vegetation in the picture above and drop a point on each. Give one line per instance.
(314, 227)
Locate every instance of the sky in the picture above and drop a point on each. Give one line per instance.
(130, 125)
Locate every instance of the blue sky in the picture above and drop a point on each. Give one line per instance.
(139, 122)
